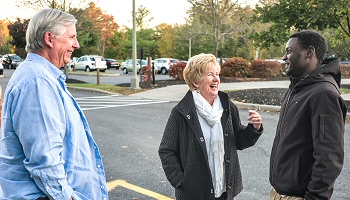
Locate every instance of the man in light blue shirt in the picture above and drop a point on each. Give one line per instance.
(46, 147)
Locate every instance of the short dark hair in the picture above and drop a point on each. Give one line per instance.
(309, 38)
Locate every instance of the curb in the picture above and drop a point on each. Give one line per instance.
(259, 107)
(95, 74)
(91, 90)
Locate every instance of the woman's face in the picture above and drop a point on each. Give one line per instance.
(209, 84)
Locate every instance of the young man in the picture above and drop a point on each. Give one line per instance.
(308, 150)
(46, 147)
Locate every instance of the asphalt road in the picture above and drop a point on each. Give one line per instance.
(128, 131)
(129, 136)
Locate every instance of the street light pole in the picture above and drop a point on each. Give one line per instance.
(189, 48)
(134, 82)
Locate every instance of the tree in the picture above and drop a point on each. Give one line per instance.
(18, 32)
(102, 24)
(289, 15)
(65, 5)
(94, 29)
(114, 47)
(142, 18)
(5, 46)
(166, 40)
(220, 15)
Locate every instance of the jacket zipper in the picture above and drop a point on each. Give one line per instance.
(279, 128)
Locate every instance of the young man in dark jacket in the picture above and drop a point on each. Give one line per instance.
(308, 150)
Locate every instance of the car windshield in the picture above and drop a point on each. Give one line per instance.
(15, 57)
(93, 58)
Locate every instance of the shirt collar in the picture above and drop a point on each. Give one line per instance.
(47, 64)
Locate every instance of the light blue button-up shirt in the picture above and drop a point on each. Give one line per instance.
(46, 146)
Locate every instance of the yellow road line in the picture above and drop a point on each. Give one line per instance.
(113, 184)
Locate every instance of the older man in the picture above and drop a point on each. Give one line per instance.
(46, 147)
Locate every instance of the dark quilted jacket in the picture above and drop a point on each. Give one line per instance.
(183, 151)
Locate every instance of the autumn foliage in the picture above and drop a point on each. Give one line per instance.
(235, 67)
(176, 71)
(147, 74)
(266, 69)
(345, 70)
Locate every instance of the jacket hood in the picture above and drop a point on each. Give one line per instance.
(329, 71)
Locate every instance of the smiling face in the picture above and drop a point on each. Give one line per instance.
(63, 46)
(209, 83)
(299, 62)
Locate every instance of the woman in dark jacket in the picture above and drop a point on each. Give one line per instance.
(203, 133)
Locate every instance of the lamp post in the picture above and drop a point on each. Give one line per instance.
(134, 82)
(189, 48)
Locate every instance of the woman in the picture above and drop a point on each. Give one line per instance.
(199, 146)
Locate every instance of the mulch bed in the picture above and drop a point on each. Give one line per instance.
(265, 96)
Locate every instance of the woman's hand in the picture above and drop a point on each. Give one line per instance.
(255, 119)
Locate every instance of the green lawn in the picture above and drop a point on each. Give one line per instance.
(107, 87)
(345, 91)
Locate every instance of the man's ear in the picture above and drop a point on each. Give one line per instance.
(310, 52)
(48, 39)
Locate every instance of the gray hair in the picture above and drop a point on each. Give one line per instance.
(46, 20)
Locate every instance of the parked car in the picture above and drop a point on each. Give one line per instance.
(11, 61)
(277, 60)
(73, 61)
(223, 60)
(345, 62)
(88, 63)
(1, 69)
(112, 63)
(128, 65)
(163, 64)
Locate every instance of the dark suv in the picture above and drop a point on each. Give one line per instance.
(11, 61)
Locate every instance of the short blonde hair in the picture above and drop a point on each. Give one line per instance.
(197, 66)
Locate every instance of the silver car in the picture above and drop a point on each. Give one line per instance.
(163, 64)
(89, 63)
(128, 66)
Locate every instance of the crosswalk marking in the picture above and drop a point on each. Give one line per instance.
(117, 183)
(112, 101)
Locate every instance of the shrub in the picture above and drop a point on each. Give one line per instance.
(345, 70)
(266, 69)
(235, 67)
(176, 71)
(147, 73)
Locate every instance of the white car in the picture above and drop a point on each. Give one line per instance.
(88, 63)
(1, 69)
(73, 61)
(163, 64)
(128, 65)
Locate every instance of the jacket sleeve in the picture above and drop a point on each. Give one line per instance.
(169, 151)
(328, 125)
(246, 136)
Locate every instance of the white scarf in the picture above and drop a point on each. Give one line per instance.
(216, 151)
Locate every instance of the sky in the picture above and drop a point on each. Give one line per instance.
(162, 11)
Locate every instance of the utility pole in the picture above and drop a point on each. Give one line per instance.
(134, 82)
